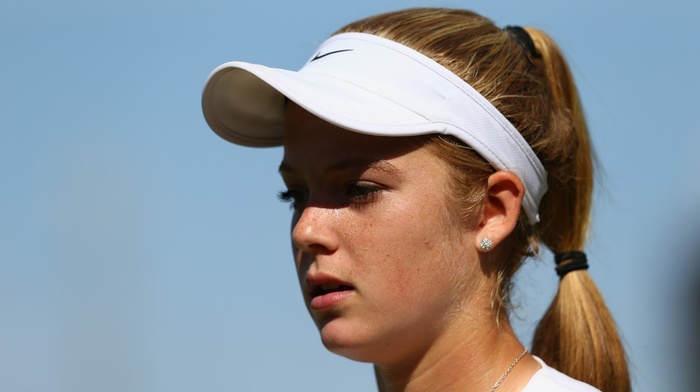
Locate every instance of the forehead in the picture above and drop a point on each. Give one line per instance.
(307, 136)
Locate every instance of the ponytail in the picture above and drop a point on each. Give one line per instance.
(577, 334)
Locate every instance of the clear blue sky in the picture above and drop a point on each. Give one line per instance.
(139, 252)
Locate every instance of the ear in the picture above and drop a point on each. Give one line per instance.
(501, 209)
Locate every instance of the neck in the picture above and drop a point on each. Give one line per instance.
(469, 358)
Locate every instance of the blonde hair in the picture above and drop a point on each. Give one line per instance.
(536, 92)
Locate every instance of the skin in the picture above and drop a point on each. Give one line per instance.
(371, 216)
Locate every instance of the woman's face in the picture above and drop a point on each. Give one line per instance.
(383, 266)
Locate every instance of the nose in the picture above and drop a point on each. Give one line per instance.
(315, 230)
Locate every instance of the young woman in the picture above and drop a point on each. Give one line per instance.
(426, 154)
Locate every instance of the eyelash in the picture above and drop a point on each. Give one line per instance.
(291, 197)
(362, 193)
(356, 194)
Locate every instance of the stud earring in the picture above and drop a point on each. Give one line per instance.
(485, 244)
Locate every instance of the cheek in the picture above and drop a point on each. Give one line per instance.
(408, 250)
(428, 243)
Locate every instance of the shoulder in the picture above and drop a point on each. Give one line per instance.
(549, 379)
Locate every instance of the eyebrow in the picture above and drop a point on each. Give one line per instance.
(350, 164)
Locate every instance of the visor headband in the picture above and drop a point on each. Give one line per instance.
(376, 86)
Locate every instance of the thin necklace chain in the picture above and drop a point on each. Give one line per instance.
(512, 365)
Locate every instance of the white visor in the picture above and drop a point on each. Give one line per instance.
(368, 84)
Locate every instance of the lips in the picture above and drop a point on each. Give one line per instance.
(328, 288)
(327, 292)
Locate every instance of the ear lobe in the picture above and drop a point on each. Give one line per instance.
(501, 209)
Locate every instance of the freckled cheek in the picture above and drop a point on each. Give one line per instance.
(425, 256)
(400, 243)
(398, 257)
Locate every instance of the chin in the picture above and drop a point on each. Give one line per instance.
(355, 343)
(354, 352)
(345, 341)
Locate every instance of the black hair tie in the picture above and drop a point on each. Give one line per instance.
(576, 261)
(522, 37)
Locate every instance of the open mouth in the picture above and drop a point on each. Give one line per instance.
(328, 288)
(329, 295)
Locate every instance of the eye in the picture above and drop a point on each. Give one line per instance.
(295, 199)
(362, 192)
(355, 193)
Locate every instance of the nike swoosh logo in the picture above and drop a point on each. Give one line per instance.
(320, 56)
